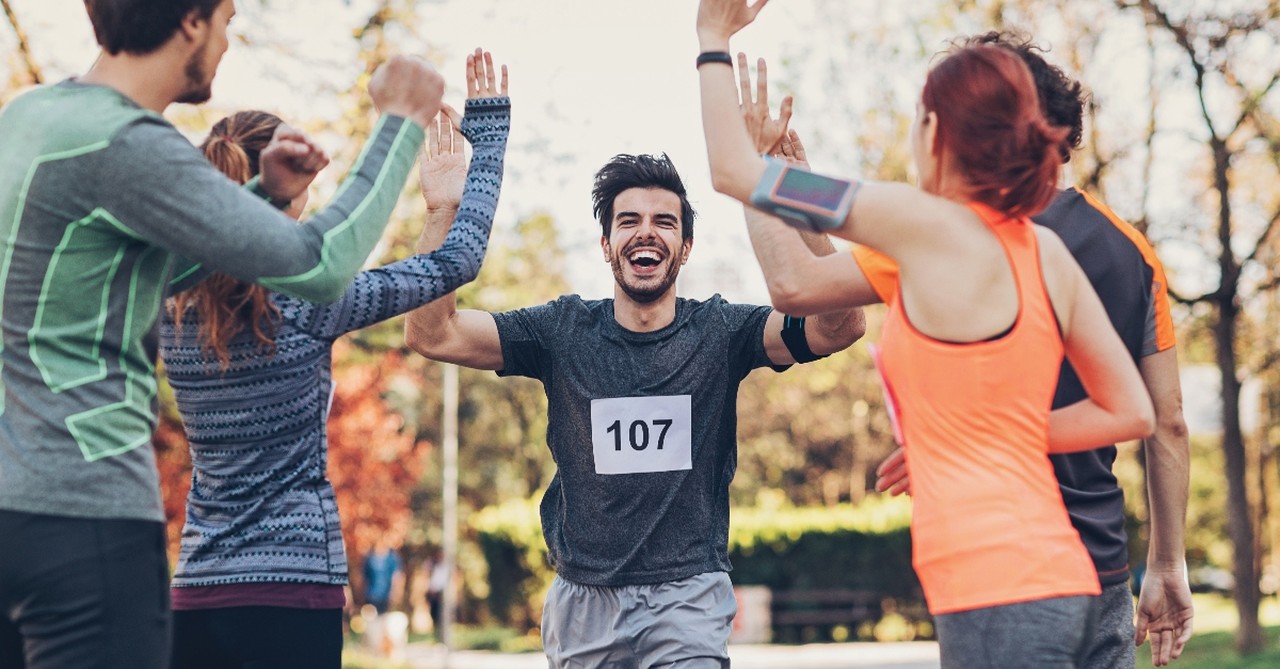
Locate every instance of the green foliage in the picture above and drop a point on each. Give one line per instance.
(510, 537)
(815, 433)
(863, 547)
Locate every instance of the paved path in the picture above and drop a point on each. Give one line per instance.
(916, 655)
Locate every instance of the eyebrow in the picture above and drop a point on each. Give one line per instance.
(664, 216)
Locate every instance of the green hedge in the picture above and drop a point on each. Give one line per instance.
(863, 547)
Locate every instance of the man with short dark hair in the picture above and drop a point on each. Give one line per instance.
(642, 394)
(102, 201)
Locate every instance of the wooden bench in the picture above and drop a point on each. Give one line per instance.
(824, 608)
(809, 615)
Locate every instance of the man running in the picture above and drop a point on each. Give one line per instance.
(99, 198)
(641, 393)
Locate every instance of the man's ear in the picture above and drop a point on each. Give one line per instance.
(685, 247)
(604, 246)
(193, 26)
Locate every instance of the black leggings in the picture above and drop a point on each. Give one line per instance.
(82, 592)
(257, 637)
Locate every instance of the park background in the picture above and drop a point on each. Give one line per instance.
(1182, 139)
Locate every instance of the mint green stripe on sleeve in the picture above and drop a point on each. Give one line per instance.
(347, 244)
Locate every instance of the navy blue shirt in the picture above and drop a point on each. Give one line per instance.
(1129, 280)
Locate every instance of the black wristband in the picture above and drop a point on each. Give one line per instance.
(797, 343)
(715, 57)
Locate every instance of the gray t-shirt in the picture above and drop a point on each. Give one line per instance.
(643, 428)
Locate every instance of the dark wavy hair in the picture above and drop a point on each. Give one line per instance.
(990, 123)
(1062, 99)
(141, 26)
(625, 171)
(225, 305)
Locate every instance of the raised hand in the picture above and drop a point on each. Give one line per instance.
(409, 87)
(480, 76)
(289, 163)
(765, 131)
(442, 170)
(792, 149)
(720, 19)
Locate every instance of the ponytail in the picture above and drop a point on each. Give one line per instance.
(223, 305)
(990, 122)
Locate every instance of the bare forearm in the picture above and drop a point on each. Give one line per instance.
(428, 325)
(436, 229)
(1168, 456)
(788, 260)
(1168, 476)
(783, 257)
(735, 166)
(1087, 425)
(835, 329)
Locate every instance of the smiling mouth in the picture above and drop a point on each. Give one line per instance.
(645, 258)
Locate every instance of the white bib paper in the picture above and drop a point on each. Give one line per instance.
(631, 435)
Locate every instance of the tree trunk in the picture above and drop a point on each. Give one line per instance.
(34, 75)
(1239, 517)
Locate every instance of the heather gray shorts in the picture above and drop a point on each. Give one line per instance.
(1041, 634)
(1111, 646)
(680, 624)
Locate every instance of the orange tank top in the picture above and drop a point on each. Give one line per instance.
(988, 525)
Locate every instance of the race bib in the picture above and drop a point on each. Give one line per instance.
(631, 435)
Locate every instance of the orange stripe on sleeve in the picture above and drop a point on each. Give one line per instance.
(1165, 338)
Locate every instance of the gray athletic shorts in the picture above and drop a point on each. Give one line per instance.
(1111, 646)
(1041, 634)
(680, 624)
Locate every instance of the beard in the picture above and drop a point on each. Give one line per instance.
(199, 82)
(652, 288)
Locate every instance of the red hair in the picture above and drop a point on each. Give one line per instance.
(224, 304)
(990, 122)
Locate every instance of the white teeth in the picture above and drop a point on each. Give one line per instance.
(638, 255)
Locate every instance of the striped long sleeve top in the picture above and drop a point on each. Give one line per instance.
(261, 509)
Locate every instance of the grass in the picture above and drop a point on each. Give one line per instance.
(1215, 650)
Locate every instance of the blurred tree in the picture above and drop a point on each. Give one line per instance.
(1233, 220)
(29, 72)
(374, 459)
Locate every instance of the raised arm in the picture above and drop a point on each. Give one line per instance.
(385, 292)
(1118, 407)
(797, 254)
(188, 207)
(903, 222)
(437, 330)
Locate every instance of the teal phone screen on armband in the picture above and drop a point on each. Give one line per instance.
(802, 198)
